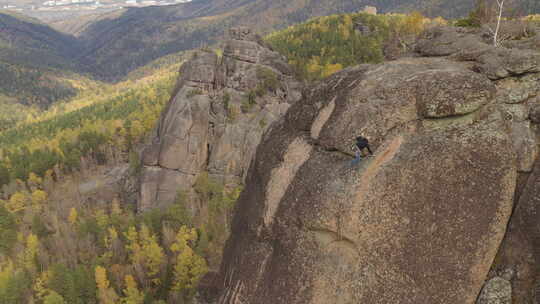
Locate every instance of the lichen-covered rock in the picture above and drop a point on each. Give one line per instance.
(215, 122)
(496, 291)
(521, 247)
(534, 114)
(501, 63)
(450, 92)
(525, 145)
(446, 41)
(420, 222)
(518, 90)
(468, 45)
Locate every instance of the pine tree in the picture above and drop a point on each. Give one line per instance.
(131, 292)
(30, 252)
(106, 294)
(53, 298)
(189, 267)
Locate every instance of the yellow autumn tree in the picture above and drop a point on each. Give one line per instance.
(413, 23)
(137, 129)
(152, 252)
(133, 246)
(189, 267)
(314, 67)
(330, 69)
(145, 250)
(17, 202)
(131, 292)
(115, 207)
(34, 180)
(106, 294)
(38, 197)
(30, 252)
(73, 216)
(102, 219)
(110, 239)
(40, 284)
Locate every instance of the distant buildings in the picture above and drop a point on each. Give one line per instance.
(372, 10)
(76, 5)
(69, 2)
(154, 2)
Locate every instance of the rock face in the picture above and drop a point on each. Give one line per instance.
(420, 222)
(496, 291)
(212, 124)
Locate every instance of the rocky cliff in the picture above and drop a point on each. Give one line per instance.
(454, 132)
(216, 119)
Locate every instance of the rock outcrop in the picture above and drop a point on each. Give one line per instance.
(420, 222)
(216, 118)
(496, 291)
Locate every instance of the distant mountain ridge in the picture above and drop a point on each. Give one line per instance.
(34, 61)
(115, 44)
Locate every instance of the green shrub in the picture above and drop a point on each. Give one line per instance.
(14, 290)
(470, 21)
(262, 123)
(76, 285)
(8, 230)
(135, 164)
(249, 101)
(226, 99)
(268, 81)
(175, 215)
(39, 228)
(90, 227)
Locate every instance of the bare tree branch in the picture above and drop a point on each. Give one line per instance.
(495, 32)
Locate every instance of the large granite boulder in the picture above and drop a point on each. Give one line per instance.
(214, 121)
(515, 59)
(420, 222)
(496, 291)
(521, 247)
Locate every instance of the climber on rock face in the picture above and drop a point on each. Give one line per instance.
(361, 144)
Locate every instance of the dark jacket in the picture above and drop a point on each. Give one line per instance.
(362, 142)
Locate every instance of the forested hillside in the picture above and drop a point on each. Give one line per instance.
(116, 44)
(39, 66)
(119, 43)
(59, 137)
(34, 62)
(25, 40)
(325, 45)
(57, 248)
(53, 248)
(448, 9)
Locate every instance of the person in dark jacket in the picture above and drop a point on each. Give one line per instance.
(361, 144)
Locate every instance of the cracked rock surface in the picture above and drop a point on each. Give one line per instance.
(420, 222)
